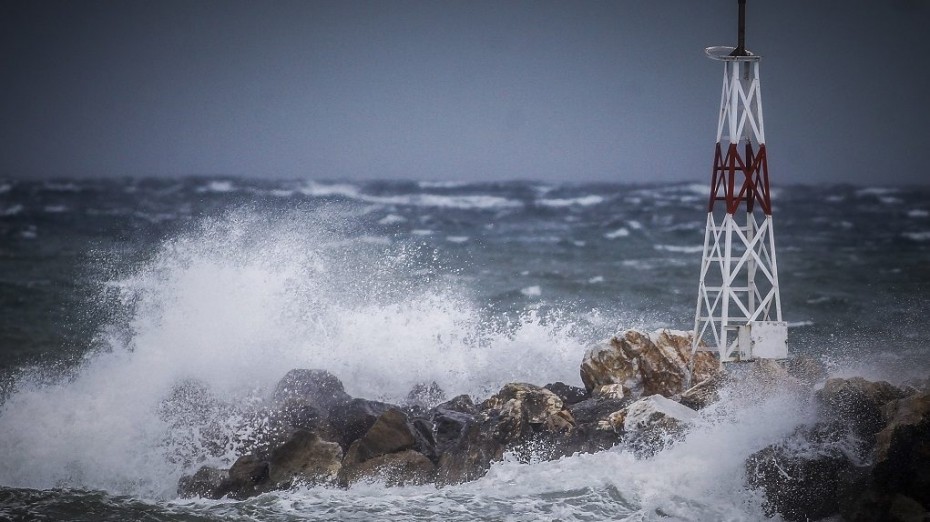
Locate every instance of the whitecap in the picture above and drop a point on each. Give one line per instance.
(314, 189)
(29, 233)
(6, 187)
(581, 201)
(835, 199)
(532, 291)
(596, 279)
(917, 213)
(620, 232)
(281, 193)
(392, 219)
(441, 184)
(635, 225)
(457, 239)
(680, 248)
(421, 232)
(918, 236)
(876, 191)
(890, 200)
(217, 187)
(55, 209)
(579, 243)
(12, 210)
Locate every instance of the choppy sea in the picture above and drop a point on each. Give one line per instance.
(112, 291)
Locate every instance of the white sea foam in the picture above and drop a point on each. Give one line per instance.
(531, 291)
(5, 187)
(11, 210)
(392, 219)
(441, 184)
(235, 305)
(876, 191)
(684, 249)
(620, 232)
(465, 201)
(918, 213)
(918, 236)
(581, 201)
(596, 279)
(421, 232)
(217, 187)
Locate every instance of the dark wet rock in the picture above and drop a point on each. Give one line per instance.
(247, 477)
(449, 427)
(595, 410)
(702, 394)
(858, 403)
(425, 395)
(469, 457)
(354, 418)
(402, 468)
(304, 458)
(460, 403)
(803, 477)
(569, 394)
(204, 483)
(317, 388)
(902, 450)
(390, 433)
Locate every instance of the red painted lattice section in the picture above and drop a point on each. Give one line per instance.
(739, 179)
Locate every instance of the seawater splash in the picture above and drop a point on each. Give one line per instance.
(233, 305)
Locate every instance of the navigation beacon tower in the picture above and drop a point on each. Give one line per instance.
(738, 307)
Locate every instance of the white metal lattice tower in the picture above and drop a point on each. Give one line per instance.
(739, 307)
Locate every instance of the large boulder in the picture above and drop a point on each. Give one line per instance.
(902, 450)
(402, 468)
(652, 423)
(641, 363)
(469, 455)
(317, 388)
(304, 458)
(802, 477)
(354, 418)
(858, 403)
(390, 433)
(204, 483)
(703, 393)
(248, 477)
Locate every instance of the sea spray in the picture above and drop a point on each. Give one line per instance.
(235, 304)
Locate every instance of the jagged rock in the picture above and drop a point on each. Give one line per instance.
(304, 458)
(802, 476)
(702, 394)
(539, 403)
(469, 456)
(641, 363)
(593, 411)
(449, 426)
(204, 483)
(354, 418)
(615, 361)
(247, 477)
(608, 391)
(426, 395)
(559, 422)
(858, 403)
(902, 449)
(390, 433)
(460, 403)
(317, 388)
(569, 394)
(651, 423)
(406, 467)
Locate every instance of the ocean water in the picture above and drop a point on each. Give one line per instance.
(112, 292)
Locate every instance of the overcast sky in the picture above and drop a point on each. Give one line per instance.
(613, 91)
